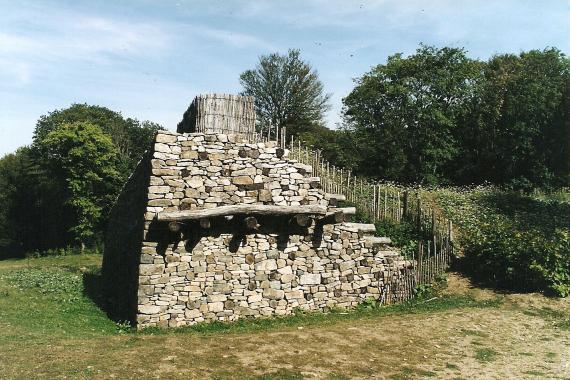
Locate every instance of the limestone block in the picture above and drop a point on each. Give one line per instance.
(149, 309)
(163, 138)
(150, 269)
(242, 180)
(274, 294)
(249, 171)
(310, 279)
(159, 189)
(216, 306)
(163, 148)
(266, 265)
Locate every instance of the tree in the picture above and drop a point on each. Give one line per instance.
(83, 159)
(520, 124)
(130, 136)
(406, 114)
(19, 216)
(287, 91)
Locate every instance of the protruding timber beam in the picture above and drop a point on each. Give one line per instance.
(251, 223)
(302, 220)
(205, 223)
(338, 197)
(335, 198)
(174, 226)
(340, 214)
(248, 209)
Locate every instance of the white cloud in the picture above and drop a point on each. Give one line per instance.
(56, 40)
(236, 39)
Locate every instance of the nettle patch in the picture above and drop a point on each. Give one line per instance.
(61, 284)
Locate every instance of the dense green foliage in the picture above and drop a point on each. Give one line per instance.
(405, 113)
(83, 158)
(130, 136)
(511, 240)
(439, 117)
(287, 91)
(57, 192)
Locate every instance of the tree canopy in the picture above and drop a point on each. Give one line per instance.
(130, 136)
(83, 160)
(58, 191)
(439, 117)
(406, 113)
(287, 91)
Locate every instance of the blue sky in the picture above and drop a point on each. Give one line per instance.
(148, 59)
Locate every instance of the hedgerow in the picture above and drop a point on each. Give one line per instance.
(514, 241)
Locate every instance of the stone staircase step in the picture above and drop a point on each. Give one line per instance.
(388, 253)
(375, 241)
(362, 228)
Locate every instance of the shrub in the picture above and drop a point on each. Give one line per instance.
(515, 241)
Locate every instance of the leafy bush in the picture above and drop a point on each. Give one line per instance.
(67, 251)
(515, 241)
(404, 235)
(60, 284)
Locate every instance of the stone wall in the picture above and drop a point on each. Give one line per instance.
(123, 244)
(225, 272)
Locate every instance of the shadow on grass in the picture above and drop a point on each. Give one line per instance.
(469, 267)
(93, 288)
(527, 212)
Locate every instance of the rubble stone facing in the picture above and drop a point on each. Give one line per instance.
(206, 275)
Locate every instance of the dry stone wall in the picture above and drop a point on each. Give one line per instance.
(225, 272)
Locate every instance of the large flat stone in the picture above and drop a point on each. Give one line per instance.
(310, 279)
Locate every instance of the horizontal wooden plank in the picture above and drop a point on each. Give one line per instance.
(240, 209)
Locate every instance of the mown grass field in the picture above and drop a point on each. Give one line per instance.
(50, 328)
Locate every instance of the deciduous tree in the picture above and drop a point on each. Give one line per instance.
(287, 91)
(83, 159)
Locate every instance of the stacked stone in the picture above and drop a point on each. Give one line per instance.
(338, 266)
(207, 170)
(211, 283)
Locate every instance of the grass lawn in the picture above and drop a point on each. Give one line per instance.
(51, 328)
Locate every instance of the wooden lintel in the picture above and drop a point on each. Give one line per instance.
(339, 215)
(245, 209)
(338, 197)
(344, 210)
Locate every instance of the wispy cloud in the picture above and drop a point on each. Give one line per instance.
(235, 39)
(63, 38)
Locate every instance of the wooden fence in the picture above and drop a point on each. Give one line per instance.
(377, 202)
(393, 203)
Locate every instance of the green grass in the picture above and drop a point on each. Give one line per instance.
(49, 303)
(282, 374)
(46, 298)
(485, 354)
(535, 373)
(410, 372)
(474, 333)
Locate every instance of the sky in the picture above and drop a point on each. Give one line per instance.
(149, 59)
